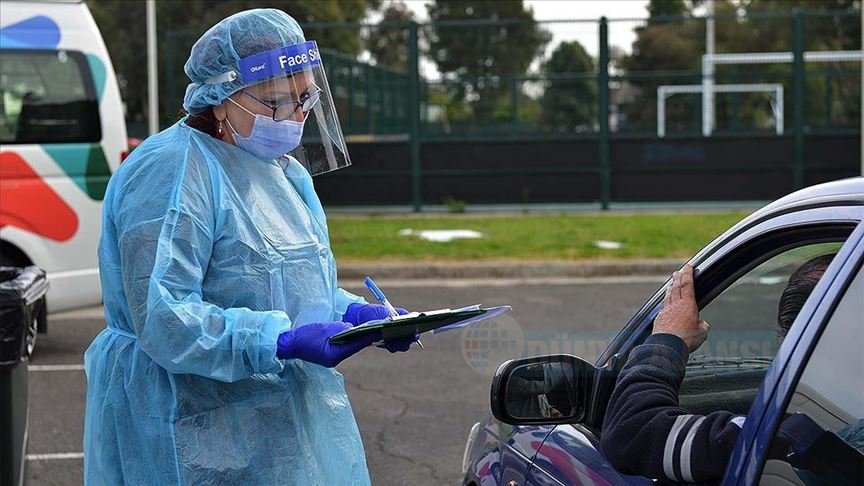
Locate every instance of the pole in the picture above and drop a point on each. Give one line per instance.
(708, 117)
(779, 115)
(861, 97)
(152, 70)
(798, 65)
(603, 114)
(414, 113)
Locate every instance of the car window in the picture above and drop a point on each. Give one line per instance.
(47, 97)
(821, 437)
(727, 370)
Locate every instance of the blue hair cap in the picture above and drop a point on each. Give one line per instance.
(214, 62)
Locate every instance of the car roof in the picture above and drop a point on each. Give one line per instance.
(830, 193)
(843, 192)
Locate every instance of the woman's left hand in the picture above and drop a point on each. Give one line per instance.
(399, 345)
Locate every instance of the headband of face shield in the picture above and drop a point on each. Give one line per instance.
(297, 116)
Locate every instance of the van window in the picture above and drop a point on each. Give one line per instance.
(47, 97)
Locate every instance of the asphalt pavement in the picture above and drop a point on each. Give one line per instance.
(414, 409)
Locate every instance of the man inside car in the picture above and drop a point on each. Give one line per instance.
(645, 431)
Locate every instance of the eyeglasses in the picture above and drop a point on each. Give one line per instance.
(284, 111)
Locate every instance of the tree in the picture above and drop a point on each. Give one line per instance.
(841, 31)
(671, 47)
(476, 58)
(660, 8)
(180, 24)
(570, 98)
(388, 44)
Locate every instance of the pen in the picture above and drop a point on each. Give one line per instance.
(379, 295)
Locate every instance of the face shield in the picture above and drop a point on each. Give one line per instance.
(290, 85)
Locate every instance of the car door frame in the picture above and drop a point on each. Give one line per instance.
(749, 455)
(705, 264)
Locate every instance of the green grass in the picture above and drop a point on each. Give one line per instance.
(531, 237)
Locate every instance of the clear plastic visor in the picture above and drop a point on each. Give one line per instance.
(290, 84)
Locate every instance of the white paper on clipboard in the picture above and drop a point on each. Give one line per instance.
(490, 313)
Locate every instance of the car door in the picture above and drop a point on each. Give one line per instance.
(811, 426)
(751, 266)
(571, 455)
(506, 453)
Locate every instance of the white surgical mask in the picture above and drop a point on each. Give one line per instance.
(269, 139)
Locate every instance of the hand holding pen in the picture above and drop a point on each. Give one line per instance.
(379, 295)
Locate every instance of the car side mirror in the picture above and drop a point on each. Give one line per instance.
(552, 389)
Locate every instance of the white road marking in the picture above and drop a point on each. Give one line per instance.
(56, 456)
(60, 367)
(93, 312)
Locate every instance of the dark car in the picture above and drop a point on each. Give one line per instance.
(547, 412)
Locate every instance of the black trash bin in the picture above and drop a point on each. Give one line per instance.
(22, 305)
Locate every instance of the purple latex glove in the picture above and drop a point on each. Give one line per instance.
(312, 343)
(358, 314)
(399, 345)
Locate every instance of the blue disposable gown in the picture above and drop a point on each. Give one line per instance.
(207, 255)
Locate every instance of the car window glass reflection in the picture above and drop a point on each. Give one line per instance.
(726, 371)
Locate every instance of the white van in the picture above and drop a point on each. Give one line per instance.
(62, 134)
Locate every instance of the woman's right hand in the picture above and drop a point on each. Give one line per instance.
(357, 314)
(311, 342)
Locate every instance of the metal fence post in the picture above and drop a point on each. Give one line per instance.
(829, 79)
(414, 114)
(798, 66)
(514, 101)
(603, 114)
(367, 81)
(350, 88)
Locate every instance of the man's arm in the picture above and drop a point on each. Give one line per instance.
(645, 431)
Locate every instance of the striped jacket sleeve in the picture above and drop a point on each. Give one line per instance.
(645, 432)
